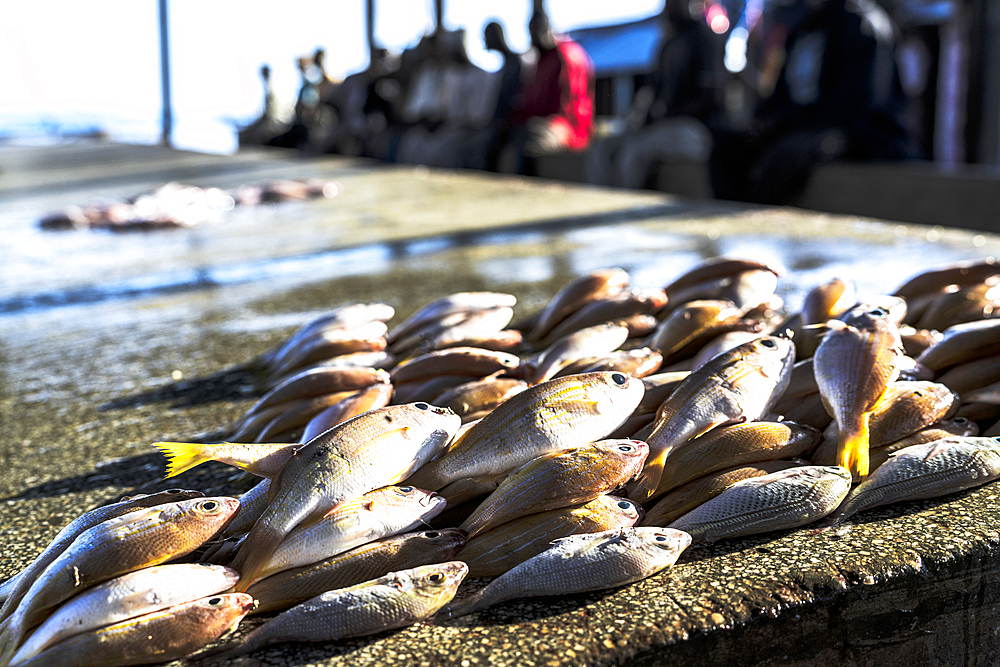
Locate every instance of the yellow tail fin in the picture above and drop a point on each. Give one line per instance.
(852, 448)
(646, 484)
(182, 456)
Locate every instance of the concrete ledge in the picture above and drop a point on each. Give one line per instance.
(966, 197)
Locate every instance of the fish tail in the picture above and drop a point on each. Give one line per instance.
(11, 633)
(852, 448)
(645, 486)
(469, 605)
(182, 456)
(254, 554)
(427, 478)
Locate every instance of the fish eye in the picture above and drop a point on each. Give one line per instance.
(406, 489)
(619, 379)
(960, 420)
(662, 538)
(432, 534)
(626, 448)
(436, 578)
(767, 342)
(879, 312)
(210, 506)
(215, 602)
(624, 505)
(421, 406)
(174, 492)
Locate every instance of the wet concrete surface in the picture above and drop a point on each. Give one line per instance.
(86, 384)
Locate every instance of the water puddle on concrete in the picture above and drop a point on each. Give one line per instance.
(269, 293)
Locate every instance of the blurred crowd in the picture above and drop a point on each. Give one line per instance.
(824, 83)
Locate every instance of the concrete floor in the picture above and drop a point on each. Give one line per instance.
(96, 329)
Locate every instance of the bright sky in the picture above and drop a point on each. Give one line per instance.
(99, 62)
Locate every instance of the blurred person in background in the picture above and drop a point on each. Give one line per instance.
(315, 122)
(269, 125)
(482, 148)
(670, 119)
(830, 89)
(556, 109)
(450, 97)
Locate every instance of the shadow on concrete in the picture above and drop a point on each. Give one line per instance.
(233, 383)
(144, 474)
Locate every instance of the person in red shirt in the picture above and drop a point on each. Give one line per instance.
(556, 110)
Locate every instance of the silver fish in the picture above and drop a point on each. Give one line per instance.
(564, 413)
(84, 522)
(581, 563)
(364, 563)
(735, 386)
(169, 634)
(375, 449)
(139, 539)
(393, 601)
(926, 471)
(786, 499)
(134, 594)
(373, 516)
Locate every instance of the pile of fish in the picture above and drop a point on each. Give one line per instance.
(173, 205)
(581, 448)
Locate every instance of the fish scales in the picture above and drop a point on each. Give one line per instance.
(393, 601)
(926, 471)
(375, 449)
(678, 502)
(564, 413)
(582, 563)
(162, 636)
(555, 481)
(363, 563)
(785, 499)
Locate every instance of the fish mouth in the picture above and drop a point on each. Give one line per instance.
(432, 500)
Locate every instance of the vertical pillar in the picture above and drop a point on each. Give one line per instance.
(438, 16)
(984, 86)
(370, 28)
(165, 75)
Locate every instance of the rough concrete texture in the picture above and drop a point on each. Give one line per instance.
(86, 387)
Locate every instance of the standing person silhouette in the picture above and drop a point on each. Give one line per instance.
(836, 95)
(556, 110)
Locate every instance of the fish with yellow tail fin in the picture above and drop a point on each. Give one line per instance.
(261, 459)
(375, 449)
(557, 415)
(736, 386)
(854, 364)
